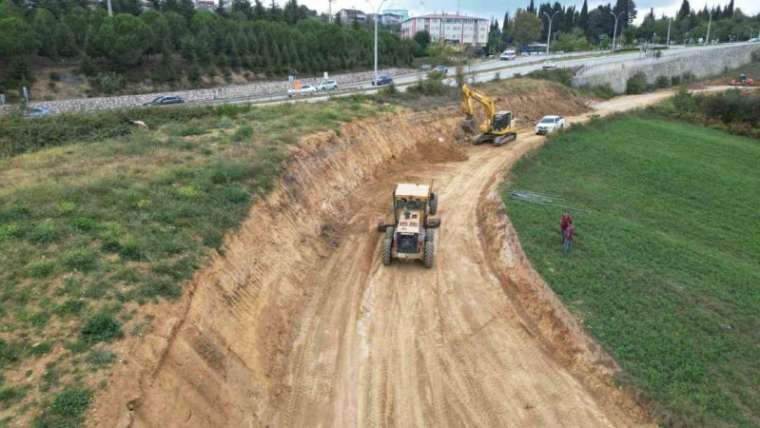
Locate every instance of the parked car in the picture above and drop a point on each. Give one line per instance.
(382, 81)
(508, 55)
(549, 124)
(550, 66)
(305, 90)
(39, 111)
(328, 85)
(754, 40)
(163, 100)
(441, 69)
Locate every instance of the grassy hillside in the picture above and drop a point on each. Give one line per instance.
(98, 216)
(665, 270)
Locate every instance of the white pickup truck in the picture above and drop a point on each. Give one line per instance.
(549, 124)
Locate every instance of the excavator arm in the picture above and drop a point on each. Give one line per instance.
(471, 95)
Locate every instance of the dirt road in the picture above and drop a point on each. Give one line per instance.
(299, 324)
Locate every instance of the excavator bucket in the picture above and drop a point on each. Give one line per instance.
(468, 126)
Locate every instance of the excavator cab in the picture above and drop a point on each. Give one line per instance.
(502, 120)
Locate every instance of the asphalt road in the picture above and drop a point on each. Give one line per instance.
(487, 70)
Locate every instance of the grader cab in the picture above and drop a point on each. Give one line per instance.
(411, 236)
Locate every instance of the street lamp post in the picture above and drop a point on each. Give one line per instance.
(377, 15)
(709, 22)
(670, 21)
(614, 30)
(549, 33)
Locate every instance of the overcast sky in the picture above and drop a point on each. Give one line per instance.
(496, 8)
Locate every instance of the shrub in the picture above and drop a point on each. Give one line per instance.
(662, 82)
(688, 77)
(559, 75)
(81, 259)
(67, 410)
(675, 80)
(756, 56)
(636, 84)
(101, 327)
(245, 132)
(430, 87)
(107, 83)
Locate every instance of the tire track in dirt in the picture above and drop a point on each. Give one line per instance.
(299, 324)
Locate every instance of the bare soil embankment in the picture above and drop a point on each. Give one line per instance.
(299, 324)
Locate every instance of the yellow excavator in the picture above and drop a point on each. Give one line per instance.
(497, 128)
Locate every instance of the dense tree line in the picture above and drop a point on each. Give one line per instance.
(173, 39)
(578, 29)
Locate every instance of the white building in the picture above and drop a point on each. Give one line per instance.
(462, 29)
(349, 16)
(386, 18)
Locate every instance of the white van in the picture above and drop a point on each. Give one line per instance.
(508, 55)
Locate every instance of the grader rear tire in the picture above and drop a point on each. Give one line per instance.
(387, 251)
(429, 256)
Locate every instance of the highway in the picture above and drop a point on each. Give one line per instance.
(485, 71)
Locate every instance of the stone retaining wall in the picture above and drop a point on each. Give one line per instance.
(701, 63)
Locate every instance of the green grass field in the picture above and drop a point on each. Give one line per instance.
(665, 271)
(98, 216)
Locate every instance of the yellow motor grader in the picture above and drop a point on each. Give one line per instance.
(412, 234)
(497, 128)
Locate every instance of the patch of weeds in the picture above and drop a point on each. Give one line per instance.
(41, 348)
(101, 327)
(100, 358)
(45, 232)
(39, 319)
(70, 307)
(227, 171)
(10, 396)
(188, 192)
(10, 352)
(84, 224)
(225, 123)
(245, 132)
(81, 259)
(9, 230)
(40, 268)
(189, 130)
(67, 409)
(236, 194)
(50, 378)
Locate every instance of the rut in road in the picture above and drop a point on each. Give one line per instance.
(299, 324)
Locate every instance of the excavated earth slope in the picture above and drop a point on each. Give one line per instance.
(299, 324)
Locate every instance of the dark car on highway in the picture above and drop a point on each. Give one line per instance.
(382, 80)
(165, 100)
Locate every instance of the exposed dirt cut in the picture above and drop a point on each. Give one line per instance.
(299, 324)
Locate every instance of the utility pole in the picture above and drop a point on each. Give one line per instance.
(614, 30)
(377, 14)
(670, 21)
(549, 33)
(329, 11)
(709, 22)
(110, 10)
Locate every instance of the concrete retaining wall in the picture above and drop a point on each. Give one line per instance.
(701, 63)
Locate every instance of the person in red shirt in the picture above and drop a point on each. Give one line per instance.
(567, 234)
(564, 221)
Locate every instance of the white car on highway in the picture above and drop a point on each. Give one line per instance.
(549, 124)
(305, 90)
(328, 85)
(508, 55)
